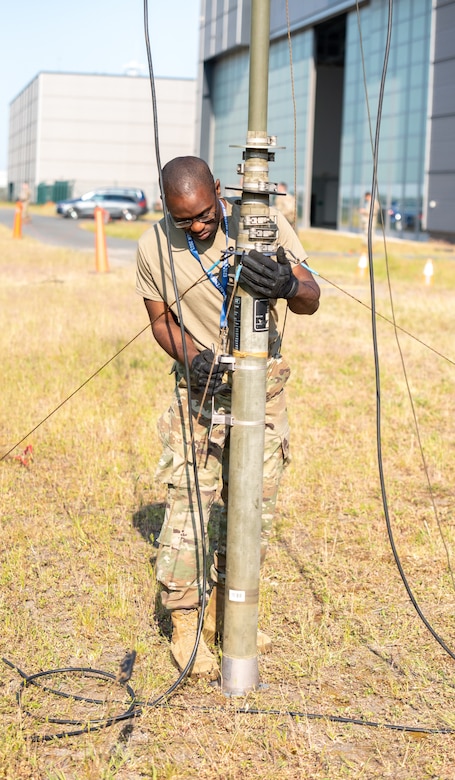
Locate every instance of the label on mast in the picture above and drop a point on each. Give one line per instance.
(237, 595)
(260, 315)
(237, 316)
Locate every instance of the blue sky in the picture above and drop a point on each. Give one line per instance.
(91, 36)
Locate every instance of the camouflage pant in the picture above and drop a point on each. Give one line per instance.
(179, 563)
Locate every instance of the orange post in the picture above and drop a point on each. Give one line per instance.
(17, 227)
(101, 259)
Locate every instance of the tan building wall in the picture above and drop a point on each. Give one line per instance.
(97, 130)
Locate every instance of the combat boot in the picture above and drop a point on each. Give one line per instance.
(214, 619)
(184, 622)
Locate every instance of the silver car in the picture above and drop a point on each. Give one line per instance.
(120, 203)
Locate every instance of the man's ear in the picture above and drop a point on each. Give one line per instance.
(217, 188)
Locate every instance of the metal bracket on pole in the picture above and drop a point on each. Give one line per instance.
(228, 361)
(221, 418)
(258, 140)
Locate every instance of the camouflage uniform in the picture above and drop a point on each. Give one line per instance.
(179, 561)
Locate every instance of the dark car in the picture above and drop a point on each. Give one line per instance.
(408, 218)
(119, 202)
(395, 216)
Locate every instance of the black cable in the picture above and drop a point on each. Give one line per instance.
(331, 718)
(136, 707)
(374, 188)
(185, 671)
(92, 725)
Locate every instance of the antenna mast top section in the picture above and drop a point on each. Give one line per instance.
(257, 229)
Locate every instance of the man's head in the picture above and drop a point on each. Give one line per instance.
(191, 192)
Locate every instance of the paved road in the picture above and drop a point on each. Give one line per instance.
(57, 231)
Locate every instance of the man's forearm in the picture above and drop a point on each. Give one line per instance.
(169, 336)
(306, 299)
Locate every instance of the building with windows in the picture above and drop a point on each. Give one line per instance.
(70, 133)
(337, 49)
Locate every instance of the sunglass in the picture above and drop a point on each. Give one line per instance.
(205, 218)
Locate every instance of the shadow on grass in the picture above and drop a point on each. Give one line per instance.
(148, 521)
(149, 518)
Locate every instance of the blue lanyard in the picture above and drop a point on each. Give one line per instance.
(221, 286)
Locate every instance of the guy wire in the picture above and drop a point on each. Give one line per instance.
(374, 188)
(84, 383)
(392, 306)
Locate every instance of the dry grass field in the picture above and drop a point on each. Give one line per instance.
(80, 510)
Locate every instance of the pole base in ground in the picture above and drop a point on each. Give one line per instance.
(239, 675)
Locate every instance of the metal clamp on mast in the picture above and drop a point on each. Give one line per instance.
(221, 418)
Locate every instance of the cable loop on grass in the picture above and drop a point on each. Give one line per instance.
(95, 724)
(136, 708)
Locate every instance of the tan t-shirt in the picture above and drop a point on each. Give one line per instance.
(285, 204)
(201, 301)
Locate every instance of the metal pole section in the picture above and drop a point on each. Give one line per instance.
(239, 669)
(259, 66)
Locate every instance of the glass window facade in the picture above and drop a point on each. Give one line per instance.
(229, 89)
(290, 164)
(401, 166)
(403, 124)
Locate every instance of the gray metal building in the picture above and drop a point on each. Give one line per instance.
(97, 130)
(440, 165)
(337, 60)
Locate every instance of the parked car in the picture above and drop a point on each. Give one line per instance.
(395, 216)
(408, 218)
(120, 203)
(412, 218)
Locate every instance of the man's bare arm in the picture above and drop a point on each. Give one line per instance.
(306, 299)
(167, 332)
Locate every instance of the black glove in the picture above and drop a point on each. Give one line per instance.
(203, 366)
(269, 278)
